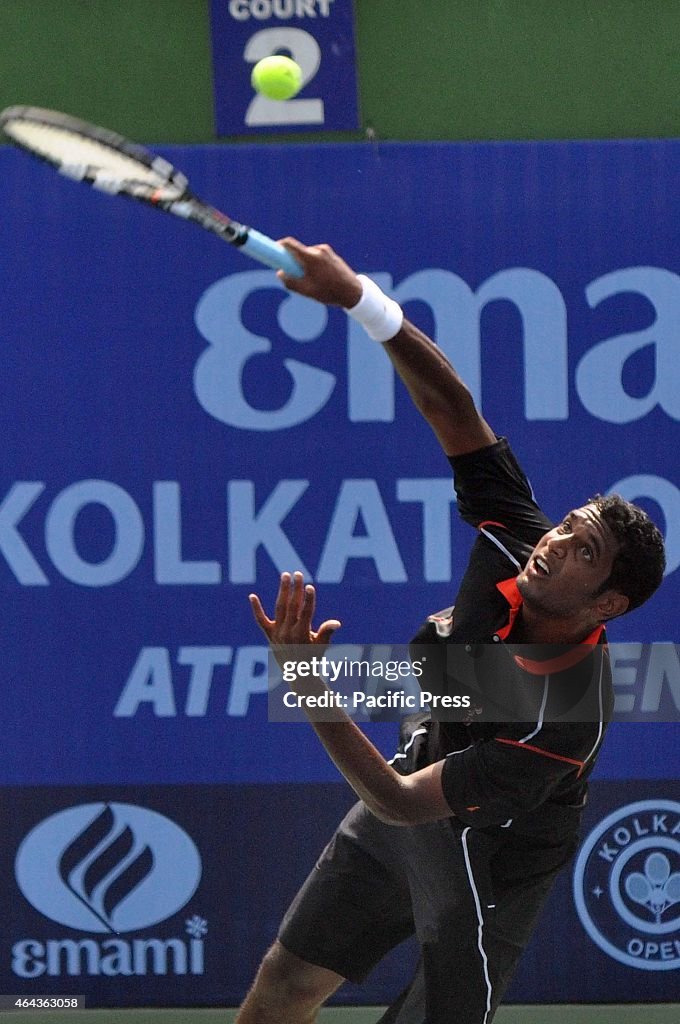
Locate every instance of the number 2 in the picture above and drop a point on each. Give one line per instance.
(303, 49)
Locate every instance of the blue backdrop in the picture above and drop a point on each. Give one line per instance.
(176, 430)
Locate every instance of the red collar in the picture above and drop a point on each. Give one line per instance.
(510, 592)
(571, 656)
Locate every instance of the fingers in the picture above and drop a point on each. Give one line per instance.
(263, 621)
(294, 246)
(293, 614)
(308, 607)
(297, 598)
(306, 256)
(305, 253)
(326, 630)
(294, 602)
(282, 598)
(326, 277)
(290, 600)
(306, 614)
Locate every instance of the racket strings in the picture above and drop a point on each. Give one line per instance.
(79, 156)
(114, 165)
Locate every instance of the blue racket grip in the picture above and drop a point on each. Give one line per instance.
(267, 251)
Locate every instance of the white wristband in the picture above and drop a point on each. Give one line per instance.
(379, 315)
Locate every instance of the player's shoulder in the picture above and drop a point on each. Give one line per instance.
(493, 489)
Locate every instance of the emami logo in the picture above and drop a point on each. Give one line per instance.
(109, 868)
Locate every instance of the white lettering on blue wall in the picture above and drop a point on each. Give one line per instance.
(457, 310)
(270, 529)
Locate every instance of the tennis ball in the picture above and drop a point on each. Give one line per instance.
(277, 77)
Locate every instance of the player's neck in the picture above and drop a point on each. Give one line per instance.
(537, 628)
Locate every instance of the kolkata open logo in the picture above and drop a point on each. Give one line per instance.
(108, 867)
(627, 885)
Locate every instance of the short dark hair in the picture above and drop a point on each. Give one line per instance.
(640, 562)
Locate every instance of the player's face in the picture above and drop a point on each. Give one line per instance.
(569, 564)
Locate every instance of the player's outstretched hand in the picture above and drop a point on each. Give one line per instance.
(327, 278)
(293, 614)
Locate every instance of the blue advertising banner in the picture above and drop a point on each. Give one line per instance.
(154, 895)
(170, 895)
(177, 430)
(610, 931)
(317, 34)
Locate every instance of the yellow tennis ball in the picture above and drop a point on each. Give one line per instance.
(277, 77)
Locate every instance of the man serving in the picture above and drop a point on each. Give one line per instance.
(460, 838)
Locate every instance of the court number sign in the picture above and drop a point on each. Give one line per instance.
(317, 34)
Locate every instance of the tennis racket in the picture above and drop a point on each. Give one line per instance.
(112, 164)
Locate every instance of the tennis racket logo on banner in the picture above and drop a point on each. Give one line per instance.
(109, 868)
(627, 885)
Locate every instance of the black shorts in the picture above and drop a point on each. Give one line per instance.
(471, 897)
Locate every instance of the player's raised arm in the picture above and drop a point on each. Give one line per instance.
(435, 387)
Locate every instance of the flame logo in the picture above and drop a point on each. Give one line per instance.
(101, 867)
(108, 867)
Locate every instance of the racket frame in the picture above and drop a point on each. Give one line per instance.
(172, 195)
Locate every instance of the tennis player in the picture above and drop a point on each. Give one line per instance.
(460, 838)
